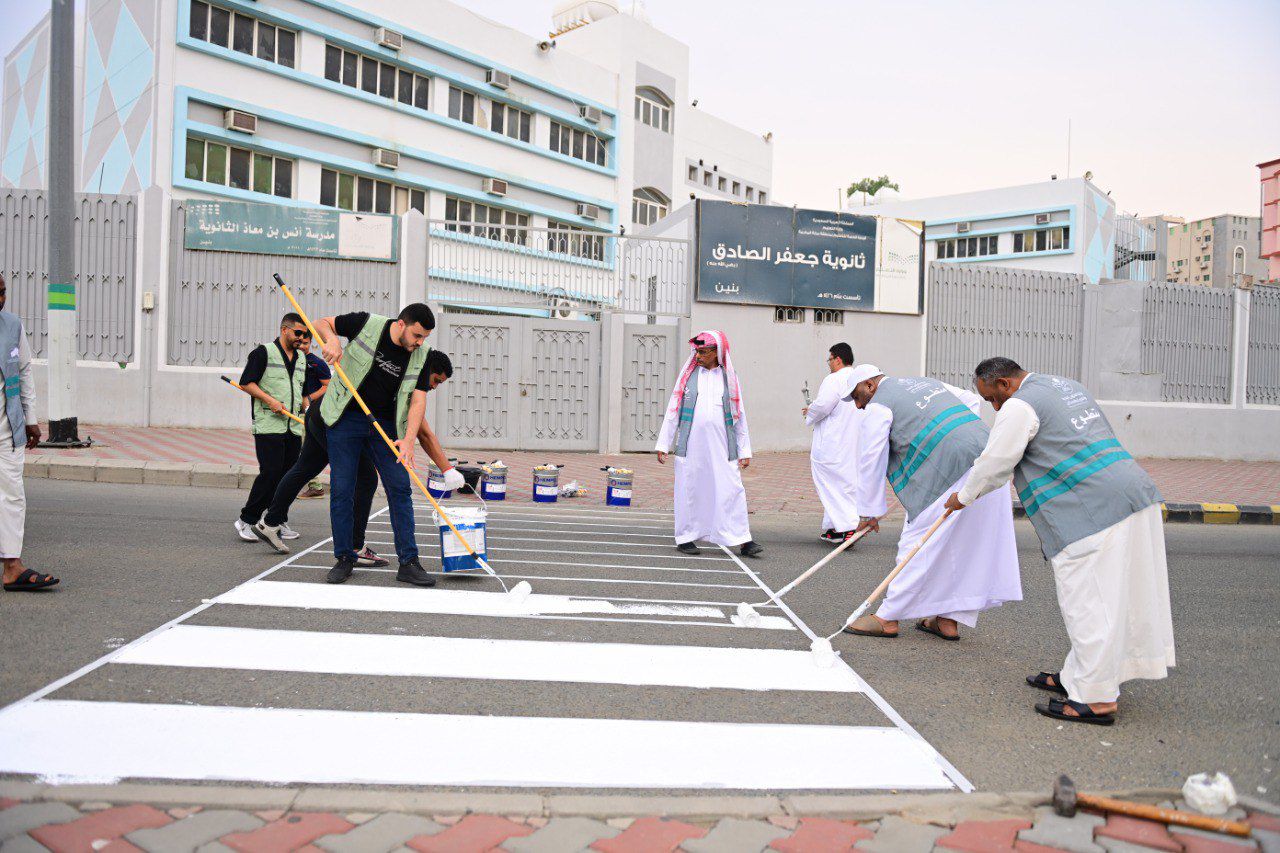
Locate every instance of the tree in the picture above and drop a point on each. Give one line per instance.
(869, 187)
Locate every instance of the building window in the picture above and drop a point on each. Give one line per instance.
(368, 195)
(737, 188)
(376, 78)
(828, 316)
(462, 105)
(751, 194)
(242, 33)
(511, 121)
(760, 197)
(238, 168)
(693, 174)
(1237, 261)
(581, 145)
(967, 247)
(648, 206)
(573, 240)
(653, 108)
(722, 184)
(485, 220)
(1045, 240)
(782, 314)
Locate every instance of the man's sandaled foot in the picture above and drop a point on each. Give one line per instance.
(868, 625)
(1050, 681)
(30, 581)
(750, 548)
(1074, 712)
(930, 626)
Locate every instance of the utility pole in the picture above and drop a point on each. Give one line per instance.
(63, 346)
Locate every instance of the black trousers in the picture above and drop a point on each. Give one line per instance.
(276, 455)
(313, 459)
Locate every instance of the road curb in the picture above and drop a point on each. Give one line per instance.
(1204, 513)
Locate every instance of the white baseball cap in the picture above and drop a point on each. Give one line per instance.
(861, 373)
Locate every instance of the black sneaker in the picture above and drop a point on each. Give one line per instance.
(688, 548)
(412, 572)
(832, 536)
(341, 570)
(750, 549)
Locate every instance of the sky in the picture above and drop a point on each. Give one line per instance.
(1171, 104)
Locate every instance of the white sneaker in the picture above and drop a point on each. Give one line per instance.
(245, 531)
(286, 532)
(270, 535)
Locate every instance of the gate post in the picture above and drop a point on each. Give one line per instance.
(1240, 346)
(613, 336)
(413, 257)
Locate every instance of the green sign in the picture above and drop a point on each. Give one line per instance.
(275, 229)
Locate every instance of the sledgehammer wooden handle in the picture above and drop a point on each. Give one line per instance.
(1195, 821)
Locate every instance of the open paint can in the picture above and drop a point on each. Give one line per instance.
(617, 490)
(435, 483)
(493, 482)
(546, 484)
(470, 522)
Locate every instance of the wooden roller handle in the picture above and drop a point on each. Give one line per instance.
(1195, 821)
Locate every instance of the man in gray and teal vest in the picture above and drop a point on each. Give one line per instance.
(273, 376)
(385, 360)
(922, 435)
(1100, 524)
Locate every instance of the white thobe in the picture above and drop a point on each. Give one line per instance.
(13, 496)
(1113, 586)
(834, 457)
(971, 562)
(710, 502)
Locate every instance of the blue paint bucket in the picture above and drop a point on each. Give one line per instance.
(435, 483)
(493, 482)
(617, 490)
(546, 484)
(470, 522)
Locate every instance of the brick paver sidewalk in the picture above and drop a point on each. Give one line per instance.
(775, 480)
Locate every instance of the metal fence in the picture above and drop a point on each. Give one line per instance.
(1186, 336)
(976, 311)
(222, 304)
(1135, 253)
(506, 264)
(105, 236)
(1262, 383)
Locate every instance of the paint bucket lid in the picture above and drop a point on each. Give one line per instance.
(462, 515)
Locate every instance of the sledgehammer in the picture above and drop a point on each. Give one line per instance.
(1066, 800)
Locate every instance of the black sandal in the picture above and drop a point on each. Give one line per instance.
(1041, 682)
(30, 581)
(923, 625)
(1056, 708)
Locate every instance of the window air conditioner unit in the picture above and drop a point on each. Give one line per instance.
(389, 38)
(241, 121)
(588, 211)
(497, 79)
(963, 227)
(1042, 219)
(565, 309)
(591, 114)
(495, 186)
(386, 159)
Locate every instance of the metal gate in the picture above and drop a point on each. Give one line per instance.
(519, 383)
(650, 360)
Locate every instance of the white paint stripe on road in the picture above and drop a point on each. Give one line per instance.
(506, 576)
(286, 745)
(527, 550)
(539, 521)
(522, 562)
(509, 660)
(530, 508)
(585, 533)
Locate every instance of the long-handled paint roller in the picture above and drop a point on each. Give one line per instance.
(284, 412)
(747, 614)
(521, 590)
(823, 653)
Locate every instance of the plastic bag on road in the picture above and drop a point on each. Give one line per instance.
(1209, 793)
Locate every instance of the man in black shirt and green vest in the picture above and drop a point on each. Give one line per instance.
(273, 376)
(384, 359)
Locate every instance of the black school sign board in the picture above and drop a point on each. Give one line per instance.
(769, 255)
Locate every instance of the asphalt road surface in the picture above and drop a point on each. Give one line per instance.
(625, 670)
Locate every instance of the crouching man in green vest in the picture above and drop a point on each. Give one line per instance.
(273, 376)
(384, 359)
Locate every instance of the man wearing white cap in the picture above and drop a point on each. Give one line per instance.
(706, 429)
(924, 435)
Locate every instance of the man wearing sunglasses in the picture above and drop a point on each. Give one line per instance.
(274, 376)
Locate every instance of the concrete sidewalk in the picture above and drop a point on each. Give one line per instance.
(1195, 490)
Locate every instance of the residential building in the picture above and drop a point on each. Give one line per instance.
(1270, 227)
(1220, 251)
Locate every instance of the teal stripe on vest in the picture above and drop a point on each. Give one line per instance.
(1056, 472)
(905, 472)
(914, 447)
(1107, 459)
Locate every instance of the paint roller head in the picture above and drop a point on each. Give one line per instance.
(823, 654)
(747, 616)
(520, 591)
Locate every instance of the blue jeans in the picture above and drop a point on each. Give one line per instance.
(351, 436)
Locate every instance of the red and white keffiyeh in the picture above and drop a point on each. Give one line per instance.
(730, 375)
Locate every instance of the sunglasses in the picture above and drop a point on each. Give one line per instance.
(301, 333)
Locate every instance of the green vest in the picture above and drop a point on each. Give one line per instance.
(357, 360)
(286, 387)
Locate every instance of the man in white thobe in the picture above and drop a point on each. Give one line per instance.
(1100, 525)
(923, 435)
(706, 429)
(19, 430)
(834, 457)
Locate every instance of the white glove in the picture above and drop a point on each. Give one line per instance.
(453, 480)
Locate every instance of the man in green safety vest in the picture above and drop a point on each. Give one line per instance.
(273, 376)
(384, 359)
